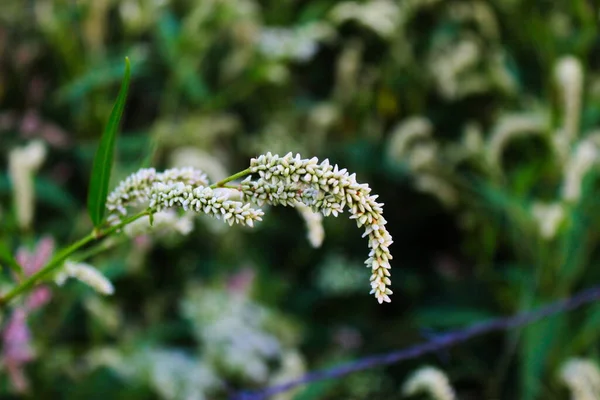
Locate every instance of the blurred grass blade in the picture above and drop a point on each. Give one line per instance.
(587, 333)
(97, 76)
(99, 181)
(7, 257)
(540, 341)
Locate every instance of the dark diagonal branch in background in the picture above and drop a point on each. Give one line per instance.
(439, 342)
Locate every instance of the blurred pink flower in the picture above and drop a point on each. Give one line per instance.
(54, 135)
(38, 298)
(142, 242)
(32, 261)
(17, 339)
(17, 349)
(30, 123)
(242, 281)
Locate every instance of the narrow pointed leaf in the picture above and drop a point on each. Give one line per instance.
(103, 160)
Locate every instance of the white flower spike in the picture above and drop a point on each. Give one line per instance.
(429, 380)
(213, 202)
(316, 189)
(86, 274)
(328, 189)
(136, 189)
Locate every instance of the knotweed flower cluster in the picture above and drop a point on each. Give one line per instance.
(570, 79)
(170, 372)
(582, 377)
(582, 160)
(175, 374)
(136, 189)
(438, 168)
(23, 162)
(408, 132)
(236, 333)
(315, 189)
(314, 224)
(237, 339)
(549, 216)
(214, 202)
(477, 13)
(299, 44)
(429, 380)
(510, 127)
(185, 188)
(86, 274)
(328, 189)
(381, 16)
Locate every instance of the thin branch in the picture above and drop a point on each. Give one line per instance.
(58, 260)
(440, 342)
(233, 177)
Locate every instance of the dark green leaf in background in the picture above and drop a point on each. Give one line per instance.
(100, 178)
(7, 258)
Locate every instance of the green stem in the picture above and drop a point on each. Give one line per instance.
(233, 177)
(126, 221)
(58, 260)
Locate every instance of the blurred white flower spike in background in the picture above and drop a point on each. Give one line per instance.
(314, 225)
(429, 380)
(582, 377)
(86, 274)
(23, 162)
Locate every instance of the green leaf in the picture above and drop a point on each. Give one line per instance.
(587, 332)
(450, 317)
(540, 340)
(103, 160)
(7, 257)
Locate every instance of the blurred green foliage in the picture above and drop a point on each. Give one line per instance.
(501, 134)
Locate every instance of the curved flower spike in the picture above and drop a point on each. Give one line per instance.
(429, 380)
(213, 202)
(328, 189)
